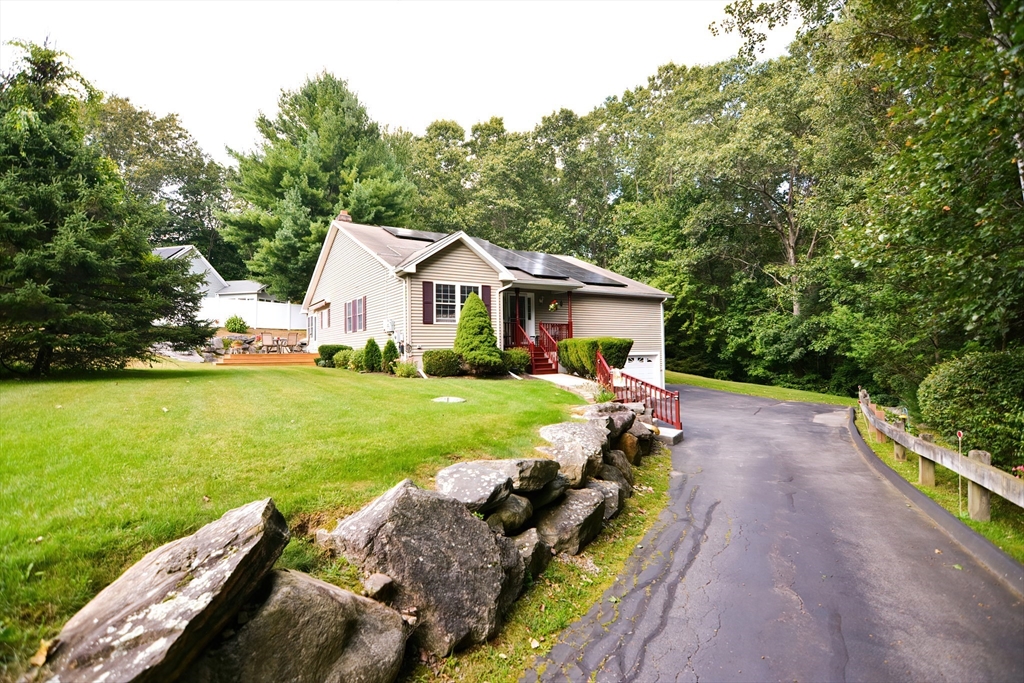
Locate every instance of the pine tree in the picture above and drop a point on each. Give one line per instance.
(475, 340)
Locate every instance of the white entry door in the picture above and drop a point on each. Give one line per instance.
(526, 312)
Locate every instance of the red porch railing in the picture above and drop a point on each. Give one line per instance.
(520, 338)
(548, 345)
(663, 402)
(558, 331)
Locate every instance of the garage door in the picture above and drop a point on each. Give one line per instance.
(645, 366)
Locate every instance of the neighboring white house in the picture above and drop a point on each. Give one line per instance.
(373, 281)
(245, 298)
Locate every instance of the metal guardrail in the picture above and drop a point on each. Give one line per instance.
(972, 466)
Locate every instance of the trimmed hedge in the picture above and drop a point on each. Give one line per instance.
(516, 360)
(371, 355)
(579, 354)
(442, 363)
(982, 394)
(475, 340)
(327, 351)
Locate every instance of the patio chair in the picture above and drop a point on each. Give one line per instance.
(293, 341)
(268, 343)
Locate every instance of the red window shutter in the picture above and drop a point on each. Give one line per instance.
(364, 314)
(486, 291)
(428, 303)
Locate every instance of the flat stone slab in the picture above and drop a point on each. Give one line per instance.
(577, 446)
(527, 474)
(477, 484)
(571, 524)
(670, 436)
(156, 617)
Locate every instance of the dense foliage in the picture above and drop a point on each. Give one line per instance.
(327, 351)
(236, 325)
(579, 355)
(981, 394)
(442, 363)
(371, 356)
(475, 340)
(79, 286)
(343, 359)
(516, 360)
(388, 357)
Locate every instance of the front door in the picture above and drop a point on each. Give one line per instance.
(525, 312)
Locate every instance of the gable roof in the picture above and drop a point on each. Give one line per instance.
(400, 250)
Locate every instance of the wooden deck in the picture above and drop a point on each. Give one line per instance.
(268, 359)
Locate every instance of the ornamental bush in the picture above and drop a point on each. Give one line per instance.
(389, 356)
(579, 354)
(516, 360)
(236, 325)
(983, 395)
(355, 361)
(342, 359)
(442, 363)
(327, 351)
(371, 355)
(475, 340)
(406, 370)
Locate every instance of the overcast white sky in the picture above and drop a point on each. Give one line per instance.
(217, 64)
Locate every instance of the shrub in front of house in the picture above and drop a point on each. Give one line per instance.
(579, 354)
(343, 358)
(442, 363)
(475, 340)
(983, 395)
(371, 355)
(406, 370)
(516, 360)
(327, 351)
(236, 325)
(388, 357)
(355, 361)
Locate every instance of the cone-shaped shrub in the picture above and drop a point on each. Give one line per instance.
(389, 356)
(371, 355)
(475, 340)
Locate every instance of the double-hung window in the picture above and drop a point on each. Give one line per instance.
(445, 303)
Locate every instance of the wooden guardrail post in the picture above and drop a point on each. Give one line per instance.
(925, 467)
(979, 498)
(880, 414)
(899, 450)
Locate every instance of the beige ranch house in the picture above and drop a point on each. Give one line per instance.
(373, 281)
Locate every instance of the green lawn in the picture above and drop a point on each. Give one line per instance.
(763, 390)
(95, 472)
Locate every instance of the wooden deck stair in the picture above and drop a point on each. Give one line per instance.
(269, 359)
(540, 364)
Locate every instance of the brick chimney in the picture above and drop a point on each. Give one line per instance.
(343, 216)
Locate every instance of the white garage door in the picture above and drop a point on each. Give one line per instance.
(645, 366)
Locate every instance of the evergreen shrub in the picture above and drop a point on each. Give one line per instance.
(236, 325)
(327, 351)
(371, 356)
(343, 358)
(356, 362)
(442, 363)
(475, 340)
(406, 370)
(983, 395)
(389, 356)
(516, 360)
(579, 354)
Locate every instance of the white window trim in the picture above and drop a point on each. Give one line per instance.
(458, 300)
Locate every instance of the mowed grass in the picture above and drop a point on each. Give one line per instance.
(1006, 528)
(96, 472)
(762, 390)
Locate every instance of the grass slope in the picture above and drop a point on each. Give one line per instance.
(762, 390)
(96, 472)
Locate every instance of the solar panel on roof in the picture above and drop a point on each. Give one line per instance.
(422, 235)
(545, 265)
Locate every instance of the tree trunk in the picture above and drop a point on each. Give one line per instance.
(43, 358)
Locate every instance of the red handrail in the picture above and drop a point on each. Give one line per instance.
(558, 331)
(520, 338)
(548, 345)
(664, 403)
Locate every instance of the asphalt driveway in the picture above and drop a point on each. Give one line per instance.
(784, 557)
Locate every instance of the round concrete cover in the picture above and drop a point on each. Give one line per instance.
(449, 399)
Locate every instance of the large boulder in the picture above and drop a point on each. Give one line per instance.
(475, 484)
(535, 552)
(551, 492)
(644, 436)
(527, 474)
(571, 524)
(616, 417)
(513, 513)
(614, 496)
(618, 460)
(630, 447)
(303, 630)
(577, 446)
(613, 473)
(151, 622)
(447, 565)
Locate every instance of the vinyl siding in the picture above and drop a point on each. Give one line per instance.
(611, 316)
(543, 315)
(352, 273)
(456, 264)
